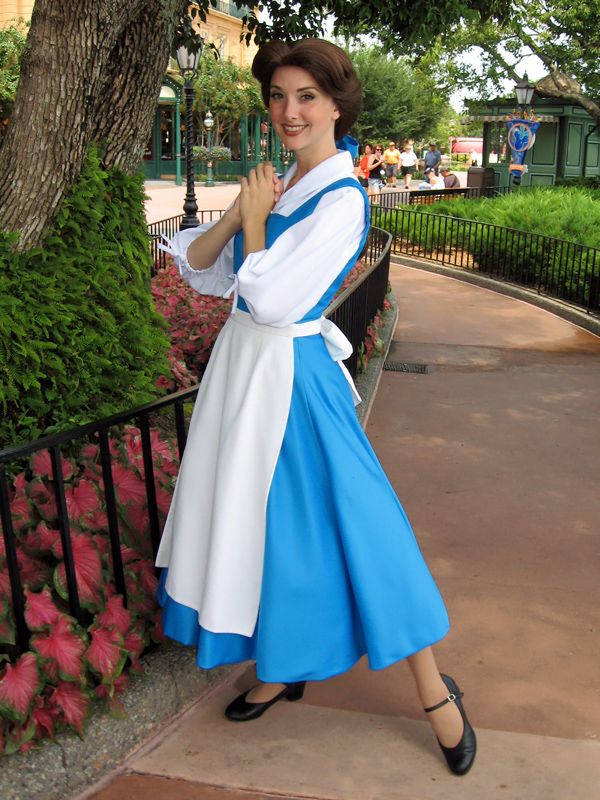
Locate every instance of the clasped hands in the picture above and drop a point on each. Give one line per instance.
(258, 194)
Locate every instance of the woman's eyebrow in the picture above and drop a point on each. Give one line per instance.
(303, 89)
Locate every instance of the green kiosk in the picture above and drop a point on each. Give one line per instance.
(567, 143)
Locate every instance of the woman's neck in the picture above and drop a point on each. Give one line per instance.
(307, 161)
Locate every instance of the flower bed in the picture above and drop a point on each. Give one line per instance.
(69, 664)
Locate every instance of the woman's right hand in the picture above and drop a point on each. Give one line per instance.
(258, 194)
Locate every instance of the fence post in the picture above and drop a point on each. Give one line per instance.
(16, 588)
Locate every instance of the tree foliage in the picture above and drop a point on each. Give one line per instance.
(564, 35)
(400, 102)
(227, 90)
(12, 42)
(391, 22)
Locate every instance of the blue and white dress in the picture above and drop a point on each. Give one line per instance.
(285, 542)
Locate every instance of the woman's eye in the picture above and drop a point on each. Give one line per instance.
(276, 95)
(308, 97)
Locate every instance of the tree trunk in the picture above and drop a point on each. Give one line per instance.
(91, 72)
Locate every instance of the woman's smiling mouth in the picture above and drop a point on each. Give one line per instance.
(293, 130)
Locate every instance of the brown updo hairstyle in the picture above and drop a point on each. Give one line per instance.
(327, 63)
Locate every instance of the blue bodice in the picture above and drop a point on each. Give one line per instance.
(278, 223)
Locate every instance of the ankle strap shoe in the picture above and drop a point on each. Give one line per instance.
(459, 758)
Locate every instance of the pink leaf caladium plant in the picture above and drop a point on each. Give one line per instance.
(63, 647)
(88, 570)
(41, 610)
(106, 654)
(71, 665)
(19, 685)
(74, 703)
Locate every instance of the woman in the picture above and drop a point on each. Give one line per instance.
(375, 166)
(272, 553)
(364, 168)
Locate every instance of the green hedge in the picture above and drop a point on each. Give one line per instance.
(79, 336)
(567, 213)
(563, 267)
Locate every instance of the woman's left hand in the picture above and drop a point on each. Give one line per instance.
(258, 194)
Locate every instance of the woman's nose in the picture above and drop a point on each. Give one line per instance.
(291, 108)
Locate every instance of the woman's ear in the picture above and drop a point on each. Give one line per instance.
(336, 113)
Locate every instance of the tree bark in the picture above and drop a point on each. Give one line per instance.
(91, 72)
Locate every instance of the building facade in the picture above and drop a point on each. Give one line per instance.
(11, 10)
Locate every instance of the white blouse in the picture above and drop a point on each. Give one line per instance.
(283, 282)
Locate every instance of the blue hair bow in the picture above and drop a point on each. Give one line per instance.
(348, 143)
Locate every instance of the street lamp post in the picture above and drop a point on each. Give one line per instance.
(208, 124)
(187, 61)
(524, 92)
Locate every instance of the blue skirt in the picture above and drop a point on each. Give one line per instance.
(343, 574)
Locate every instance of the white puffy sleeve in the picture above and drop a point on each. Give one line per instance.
(217, 278)
(281, 284)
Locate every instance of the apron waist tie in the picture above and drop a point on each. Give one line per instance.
(337, 343)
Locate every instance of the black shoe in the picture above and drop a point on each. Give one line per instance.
(241, 711)
(461, 757)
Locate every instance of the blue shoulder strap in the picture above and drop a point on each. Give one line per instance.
(309, 206)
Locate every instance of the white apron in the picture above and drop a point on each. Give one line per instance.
(214, 537)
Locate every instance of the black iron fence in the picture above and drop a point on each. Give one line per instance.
(168, 228)
(352, 310)
(554, 267)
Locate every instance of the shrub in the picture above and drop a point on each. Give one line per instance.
(217, 153)
(79, 337)
(572, 214)
(590, 182)
(71, 665)
(564, 269)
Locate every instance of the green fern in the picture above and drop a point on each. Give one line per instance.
(79, 336)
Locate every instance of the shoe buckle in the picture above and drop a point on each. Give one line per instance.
(451, 697)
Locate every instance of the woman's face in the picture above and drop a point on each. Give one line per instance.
(302, 114)
(368, 149)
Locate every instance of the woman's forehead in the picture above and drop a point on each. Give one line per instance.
(293, 78)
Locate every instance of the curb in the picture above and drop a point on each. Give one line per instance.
(561, 309)
(367, 382)
(65, 767)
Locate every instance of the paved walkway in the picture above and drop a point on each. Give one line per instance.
(494, 453)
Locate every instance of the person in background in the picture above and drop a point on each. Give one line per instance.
(451, 180)
(391, 158)
(433, 158)
(409, 162)
(364, 168)
(436, 181)
(375, 165)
